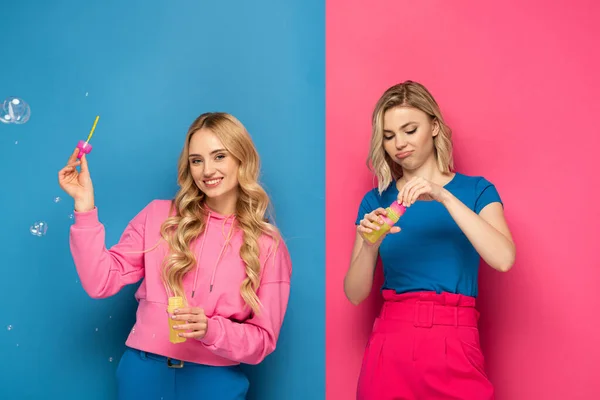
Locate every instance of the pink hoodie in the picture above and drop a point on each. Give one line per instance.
(234, 335)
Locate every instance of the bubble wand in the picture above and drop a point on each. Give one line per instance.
(85, 147)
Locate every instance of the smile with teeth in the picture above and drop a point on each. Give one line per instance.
(213, 182)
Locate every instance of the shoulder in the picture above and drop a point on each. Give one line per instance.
(477, 191)
(159, 208)
(275, 258)
(155, 210)
(372, 199)
(477, 182)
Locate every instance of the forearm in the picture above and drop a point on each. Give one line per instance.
(250, 341)
(496, 249)
(104, 272)
(359, 278)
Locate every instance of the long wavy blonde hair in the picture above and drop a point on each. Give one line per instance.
(406, 94)
(189, 219)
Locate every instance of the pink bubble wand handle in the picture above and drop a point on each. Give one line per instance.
(85, 147)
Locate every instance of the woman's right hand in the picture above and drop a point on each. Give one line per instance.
(77, 184)
(371, 222)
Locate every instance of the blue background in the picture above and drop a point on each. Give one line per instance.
(149, 68)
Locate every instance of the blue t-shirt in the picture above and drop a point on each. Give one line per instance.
(431, 253)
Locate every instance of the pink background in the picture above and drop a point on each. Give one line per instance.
(519, 85)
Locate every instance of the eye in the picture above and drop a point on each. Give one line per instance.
(196, 161)
(411, 132)
(388, 137)
(220, 157)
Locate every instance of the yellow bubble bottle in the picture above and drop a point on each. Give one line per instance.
(394, 212)
(175, 303)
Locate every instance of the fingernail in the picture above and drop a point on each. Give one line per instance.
(175, 326)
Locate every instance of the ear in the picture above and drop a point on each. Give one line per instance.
(435, 127)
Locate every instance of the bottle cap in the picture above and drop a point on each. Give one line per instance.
(176, 301)
(398, 208)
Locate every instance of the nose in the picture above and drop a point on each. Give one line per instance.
(400, 141)
(209, 169)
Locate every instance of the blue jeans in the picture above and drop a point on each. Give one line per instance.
(147, 376)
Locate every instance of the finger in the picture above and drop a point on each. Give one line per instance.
(374, 219)
(84, 165)
(65, 172)
(198, 326)
(409, 194)
(402, 195)
(375, 215)
(73, 155)
(193, 335)
(370, 225)
(74, 163)
(395, 229)
(421, 193)
(186, 317)
(364, 229)
(189, 310)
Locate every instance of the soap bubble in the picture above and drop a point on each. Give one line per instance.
(110, 359)
(9, 327)
(56, 199)
(15, 111)
(39, 228)
(70, 216)
(96, 329)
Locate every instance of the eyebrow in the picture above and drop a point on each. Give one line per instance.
(402, 127)
(212, 152)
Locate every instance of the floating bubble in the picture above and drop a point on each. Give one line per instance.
(9, 327)
(86, 94)
(56, 199)
(17, 142)
(96, 329)
(39, 228)
(14, 111)
(110, 359)
(70, 216)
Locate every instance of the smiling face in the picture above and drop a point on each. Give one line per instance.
(408, 137)
(214, 169)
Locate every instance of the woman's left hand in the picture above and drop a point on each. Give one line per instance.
(420, 189)
(194, 320)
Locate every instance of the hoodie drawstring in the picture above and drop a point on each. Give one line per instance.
(228, 238)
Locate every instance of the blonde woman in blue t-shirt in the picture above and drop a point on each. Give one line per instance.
(425, 341)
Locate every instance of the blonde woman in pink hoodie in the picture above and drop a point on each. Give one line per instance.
(213, 246)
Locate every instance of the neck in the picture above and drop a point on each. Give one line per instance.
(224, 205)
(428, 170)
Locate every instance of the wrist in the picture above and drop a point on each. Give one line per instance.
(446, 197)
(370, 247)
(84, 206)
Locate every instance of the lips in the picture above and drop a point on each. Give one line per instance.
(403, 154)
(212, 182)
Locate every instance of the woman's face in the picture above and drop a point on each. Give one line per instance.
(213, 168)
(408, 136)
